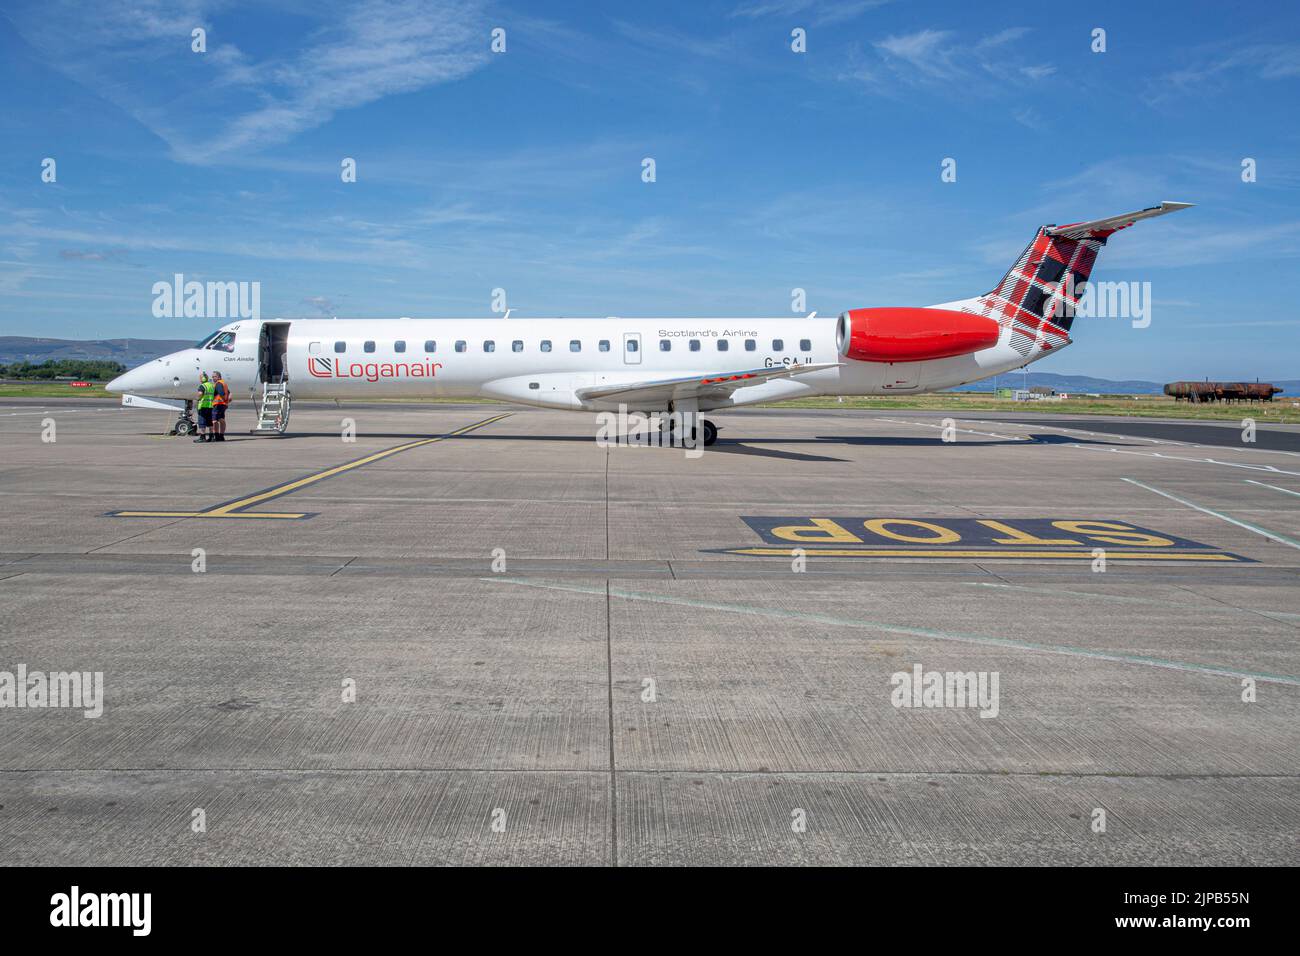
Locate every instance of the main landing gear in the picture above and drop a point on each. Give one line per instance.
(709, 430)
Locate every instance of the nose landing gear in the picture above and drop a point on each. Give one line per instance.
(185, 424)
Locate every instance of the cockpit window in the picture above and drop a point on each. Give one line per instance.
(225, 342)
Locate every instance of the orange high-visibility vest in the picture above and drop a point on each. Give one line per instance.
(223, 394)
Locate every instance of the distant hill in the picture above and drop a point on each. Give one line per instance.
(22, 348)
(1086, 383)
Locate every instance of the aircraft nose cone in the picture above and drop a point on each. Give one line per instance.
(134, 380)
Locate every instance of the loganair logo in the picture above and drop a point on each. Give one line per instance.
(371, 371)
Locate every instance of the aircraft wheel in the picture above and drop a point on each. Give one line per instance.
(710, 433)
(183, 427)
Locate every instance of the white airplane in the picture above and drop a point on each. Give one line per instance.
(682, 367)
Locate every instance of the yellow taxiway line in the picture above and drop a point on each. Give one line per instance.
(1111, 554)
(238, 507)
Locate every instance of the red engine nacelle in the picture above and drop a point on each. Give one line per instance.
(912, 335)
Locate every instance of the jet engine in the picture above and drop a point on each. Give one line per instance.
(912, 334)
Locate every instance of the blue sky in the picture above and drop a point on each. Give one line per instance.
(775, 170)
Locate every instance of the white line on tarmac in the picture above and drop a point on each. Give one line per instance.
(751, 609)
(1285, 491)
(969, 431)
(1129, 599)
(1271, 469)
(1273, 535)
(68, 410)
(1080, 431)
(1156, 441)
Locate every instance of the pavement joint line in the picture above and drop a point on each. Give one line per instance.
(1278, 617)
(1285, 491)
(1130, 599)
(238, 507)
(1272, 535)
(978, 639)
(613, 753)
(342, 566)
(655, 771)
(113, 544)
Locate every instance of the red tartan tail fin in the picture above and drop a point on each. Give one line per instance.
(1050, 275)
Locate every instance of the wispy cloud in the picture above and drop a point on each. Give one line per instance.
(676, 41)
(92, 255)
(818, 12)
(225, 103)
(948, 59)
(322, 304)
(1215, 71)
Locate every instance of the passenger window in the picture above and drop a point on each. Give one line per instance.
(665, 345)
(604, 345)
(517, 345)
(632, 345)
(778, 345)
(695, 345)
(489, 346)
(546, 345)
(575, 345)
(340, 347)
(399, 346)
(723, 345)
(750, 345)
(369, 346)
(805, 345)
(460, 345)
(430, 345)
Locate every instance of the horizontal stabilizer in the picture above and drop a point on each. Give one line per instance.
(1100, 228)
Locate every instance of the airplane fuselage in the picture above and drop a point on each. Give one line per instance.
(547, 362)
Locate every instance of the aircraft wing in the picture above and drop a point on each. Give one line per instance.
(711, 386)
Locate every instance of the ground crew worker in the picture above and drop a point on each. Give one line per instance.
(220, 402)
(206, 391)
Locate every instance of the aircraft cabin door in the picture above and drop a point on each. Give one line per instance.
(271, 349)
(631, 348)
